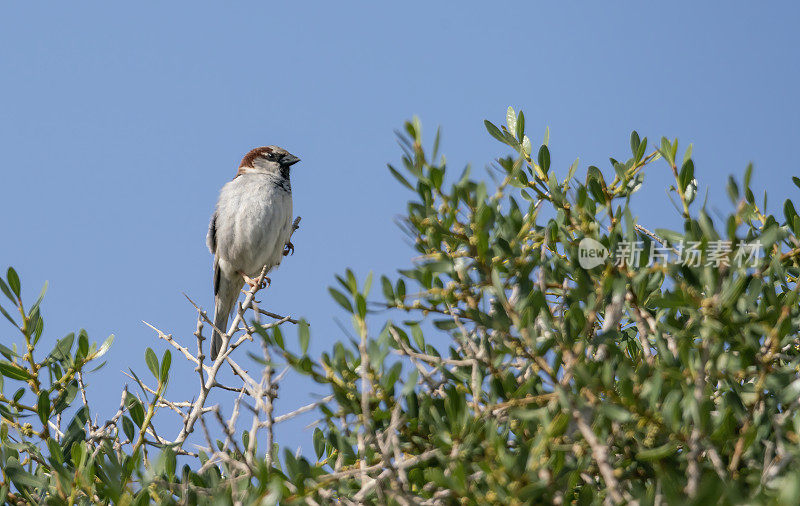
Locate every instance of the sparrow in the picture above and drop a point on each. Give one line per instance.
(250, 228)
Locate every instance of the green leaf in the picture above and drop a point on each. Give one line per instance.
(748, 194)
(8, 352)
(733, 190)
(511, 119)
(666, 151)
(135, 409)
(169, 461)
(341, 299)
(166, 361)
(43, 407)
(445, 324)
(83, 344)
(38, 328)
(789, 211)
(352, 282)
(40, 297)
(4, 288)
(277, 337)
(658, 452)
(319, 443)
(367, 284)
(13, 281)
(686, 175)
(98, 367)
(8, 317)
(104, 347)
(436, 142)
(13, 371)
(526, 147)
(416, 333)
(61, 351)
(152, 361)
(78, 452)
(400, 178)
(361, 305)
(642, 148)
(748, 173)
(304, 336)
(128, 428)
(635, 141)
(494, 131)
(571, 171)
(796, 181)
(519, 128)
(400, 289)
(388, 289)
(22, 478)
(55, 451)
(674, 151)
(544, 158)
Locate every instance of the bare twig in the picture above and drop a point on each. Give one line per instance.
(600, 455)
(301, 410)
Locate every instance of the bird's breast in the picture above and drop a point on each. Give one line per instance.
(254, 216)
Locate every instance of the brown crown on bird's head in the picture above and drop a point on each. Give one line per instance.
(268, 157)
(271, 153)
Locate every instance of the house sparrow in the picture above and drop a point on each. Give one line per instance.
(250, 228)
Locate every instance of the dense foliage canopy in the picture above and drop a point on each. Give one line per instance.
(500, 366)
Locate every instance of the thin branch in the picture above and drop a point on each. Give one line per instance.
(600, 455)
(304, 409)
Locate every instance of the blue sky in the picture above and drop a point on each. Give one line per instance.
(119, 124)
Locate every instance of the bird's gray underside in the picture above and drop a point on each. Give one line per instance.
(248, 230)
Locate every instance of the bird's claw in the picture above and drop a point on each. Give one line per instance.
(254, 282)
(288, 248)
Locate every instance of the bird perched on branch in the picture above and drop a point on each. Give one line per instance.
(250, 228)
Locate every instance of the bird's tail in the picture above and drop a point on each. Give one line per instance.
(227, 291)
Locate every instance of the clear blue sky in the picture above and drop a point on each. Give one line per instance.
(119, 124)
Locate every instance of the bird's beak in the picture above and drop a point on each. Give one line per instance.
(289, 160)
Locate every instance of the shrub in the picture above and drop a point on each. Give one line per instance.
(543, 347)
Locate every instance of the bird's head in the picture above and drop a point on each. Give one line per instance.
(267, 160)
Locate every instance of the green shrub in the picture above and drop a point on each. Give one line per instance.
(498, 367)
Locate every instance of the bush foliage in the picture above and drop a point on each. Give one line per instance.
(493, 369)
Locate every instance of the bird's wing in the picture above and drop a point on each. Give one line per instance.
(216, 275)
(211, 238)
